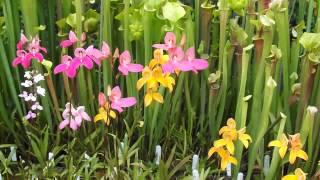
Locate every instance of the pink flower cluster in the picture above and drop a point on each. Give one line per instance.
(178, 59)
(87, 57)
(82, 57)
(28, 50)
(116, 100)
(73, 117)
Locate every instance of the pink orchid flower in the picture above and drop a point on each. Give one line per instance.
(34, 50)
(97, 55)
(73, 117)
(66, 67)
(21, 59)
(169, 42)
(102, 99)
(30, 115)
(176, 56)
(23, 40)
(105, 51)
(191, 63)
(117, 102)
(72, 39)
(69, 42)
(126, 66)
(85, 57)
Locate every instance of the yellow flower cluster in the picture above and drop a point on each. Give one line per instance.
(295, 147)
(225, 146)
(153, 76)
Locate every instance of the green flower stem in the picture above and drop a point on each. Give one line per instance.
(262, 126)
(197, 21)
(154, 119)
(259, 79)
(310, 15)
(249, 27)
(242, 105)
(53, 96)
(306, 133)
(106, 35)
(224, 86)
(243, 82)
(81, 82)
(302, 10)
(274, 167)
(189, 109)
(239, 145)
(295, 49)
(206, 14)
(131, 78)
(281, 18)
(147, 23)
(317, 26)
(223, 27)
(308, 75)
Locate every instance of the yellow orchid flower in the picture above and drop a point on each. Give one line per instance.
(229, 134)
(151, 95)
(151, 77)
(244, 138)
(282, 144)
(147, 77)
(225, 156)
(105, 115)
(296, 149)
(298, 175)
(158, 58)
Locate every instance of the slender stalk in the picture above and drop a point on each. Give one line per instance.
(224, 86)
(223, 25)
(242, 104)
(267, 37)
(310, 15)
(260, 129)
(281, 18)
(106, 35)
(275, 156)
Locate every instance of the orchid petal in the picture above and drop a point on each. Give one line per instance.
(63, 124)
